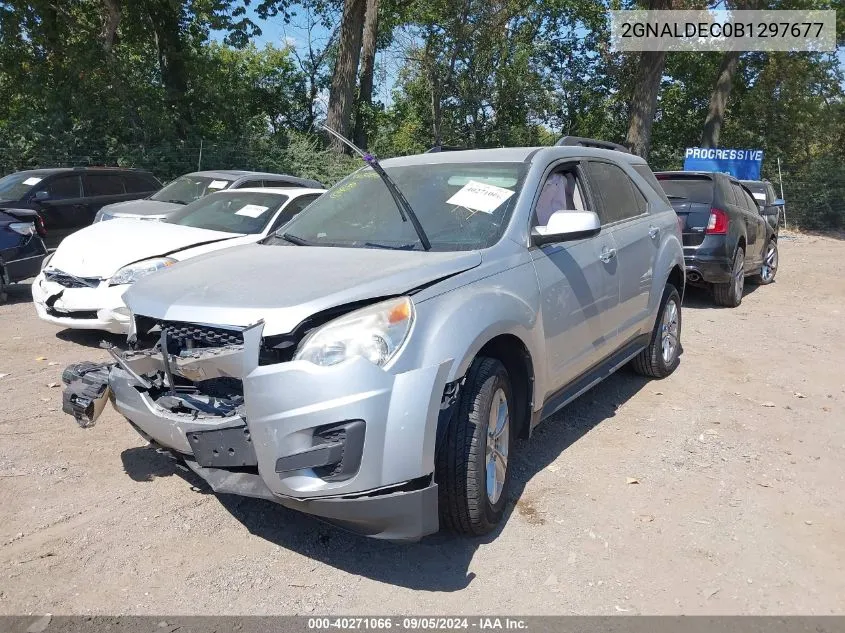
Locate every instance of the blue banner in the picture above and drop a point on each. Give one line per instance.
(741, 163)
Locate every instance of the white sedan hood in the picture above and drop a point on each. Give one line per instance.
(101, 249)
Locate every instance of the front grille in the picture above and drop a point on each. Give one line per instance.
(197, 336)
(73, 314)
(69, 281)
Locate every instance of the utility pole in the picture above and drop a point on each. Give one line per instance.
(199, 160)
(780, 179)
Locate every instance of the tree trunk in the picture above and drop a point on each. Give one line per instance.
(719, 100)
(368, 67)
(112, 8)
(646, 89)
(342, 94)
(644, 101)
(165, 17)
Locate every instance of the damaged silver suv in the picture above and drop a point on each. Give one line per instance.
(373, 361)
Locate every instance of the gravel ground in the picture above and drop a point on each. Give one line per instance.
(715, 491)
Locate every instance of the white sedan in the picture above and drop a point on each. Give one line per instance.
(81, 285)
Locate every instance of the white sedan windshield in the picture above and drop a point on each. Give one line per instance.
(236, 212)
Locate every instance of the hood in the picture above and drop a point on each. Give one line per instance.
(141, 207)
(283, 285)
(101, 249)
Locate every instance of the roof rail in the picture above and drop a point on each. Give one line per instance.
(591, 142)
(444, 148)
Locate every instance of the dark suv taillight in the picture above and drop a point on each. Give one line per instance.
(718, 223)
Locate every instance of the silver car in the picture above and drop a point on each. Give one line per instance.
(373, 361)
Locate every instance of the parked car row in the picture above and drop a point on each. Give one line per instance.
(370, 355)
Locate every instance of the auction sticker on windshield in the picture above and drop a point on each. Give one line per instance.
(252, 210)
(32, 181)
(218, 184)
(479, 196)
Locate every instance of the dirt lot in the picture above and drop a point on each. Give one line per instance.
(738, 505)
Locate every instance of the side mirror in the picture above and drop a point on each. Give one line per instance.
(567, 226)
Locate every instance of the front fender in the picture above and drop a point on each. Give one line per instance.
(455, 325)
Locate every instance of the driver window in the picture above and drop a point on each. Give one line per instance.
(562, 191)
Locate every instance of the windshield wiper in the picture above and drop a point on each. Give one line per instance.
(293, 239)
(182, 202)
(392, 247)
(402, 203)
(676, 197)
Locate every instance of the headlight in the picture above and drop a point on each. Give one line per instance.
(133, 272)
(46, 260)
(375, 333)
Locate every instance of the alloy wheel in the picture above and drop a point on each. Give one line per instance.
(770, 262)
(669, 332)
(498, 430)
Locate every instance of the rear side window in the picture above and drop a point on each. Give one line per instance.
(742, 198)
(750, 202)
(293, 209)
(282, 182)
(692, 188)
(103, 185)
(616, 194)
(64, 188)
(138, 183)
(249, 183)
(648, 176)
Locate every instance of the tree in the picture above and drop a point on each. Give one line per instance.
(368, 66)
(342, 94)
(719, 99)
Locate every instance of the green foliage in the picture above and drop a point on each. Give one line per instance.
(476, 73)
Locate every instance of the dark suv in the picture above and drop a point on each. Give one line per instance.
(725, 236)
(68, 198)
(770, 205)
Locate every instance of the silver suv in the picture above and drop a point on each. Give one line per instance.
(373, 362)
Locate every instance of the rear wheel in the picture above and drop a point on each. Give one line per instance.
(663, 354)
(472, 464)
(730, 294)
(770, 265)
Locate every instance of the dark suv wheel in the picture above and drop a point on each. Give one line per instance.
(730, 294)
(472, 465)
(770, 265)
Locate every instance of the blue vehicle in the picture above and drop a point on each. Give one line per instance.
(21, 246)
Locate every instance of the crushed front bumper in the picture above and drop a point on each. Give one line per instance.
(100, 308)
(352, 443)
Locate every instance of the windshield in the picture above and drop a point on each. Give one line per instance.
(16, 186)
(461, 206)
(757, 188)
(186, 189)
(242, 212)
(694, 189)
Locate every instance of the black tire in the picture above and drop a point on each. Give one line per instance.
(651, 361)
(730, 294)
(770, 260)
(461, 469)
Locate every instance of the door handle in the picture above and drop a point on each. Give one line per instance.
(607, 254)
(653, 232)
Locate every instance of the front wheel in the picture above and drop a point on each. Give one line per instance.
(472, 465)
(770, 265)
(663, 353)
